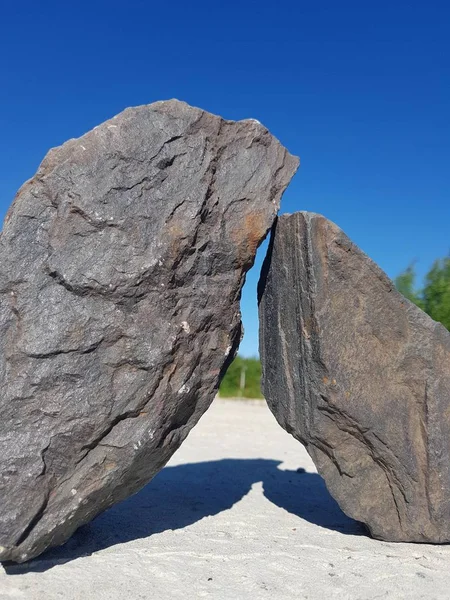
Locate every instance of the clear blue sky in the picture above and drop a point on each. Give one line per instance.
(359, 90)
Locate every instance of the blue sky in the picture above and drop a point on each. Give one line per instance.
(359, 90)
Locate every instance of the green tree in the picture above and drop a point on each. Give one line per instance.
(242, 379)
(434, 297)
(436, 292)
(406, 285)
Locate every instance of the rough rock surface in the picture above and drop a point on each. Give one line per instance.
(122, 263)
(360, 376)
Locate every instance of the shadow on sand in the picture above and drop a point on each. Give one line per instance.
(181, 495)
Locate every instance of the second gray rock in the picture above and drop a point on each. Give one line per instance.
(360, 376)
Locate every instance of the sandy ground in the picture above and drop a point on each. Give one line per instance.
(231, 518)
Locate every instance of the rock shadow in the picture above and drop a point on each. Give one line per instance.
(306, 495)
(184, 494)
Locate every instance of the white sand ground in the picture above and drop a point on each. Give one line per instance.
(231, 518)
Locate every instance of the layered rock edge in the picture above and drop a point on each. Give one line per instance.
(360, 376)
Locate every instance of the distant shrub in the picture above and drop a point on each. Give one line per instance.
(434, 297)
(242, 380)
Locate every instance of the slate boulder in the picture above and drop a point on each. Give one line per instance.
(360, 376)
(122, 262)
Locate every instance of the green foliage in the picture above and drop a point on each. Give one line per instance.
(406, 283)
(230, 386)
(434, 297)
(436, 292)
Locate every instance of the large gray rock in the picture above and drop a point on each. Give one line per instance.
(361, 377)
(122, 263)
